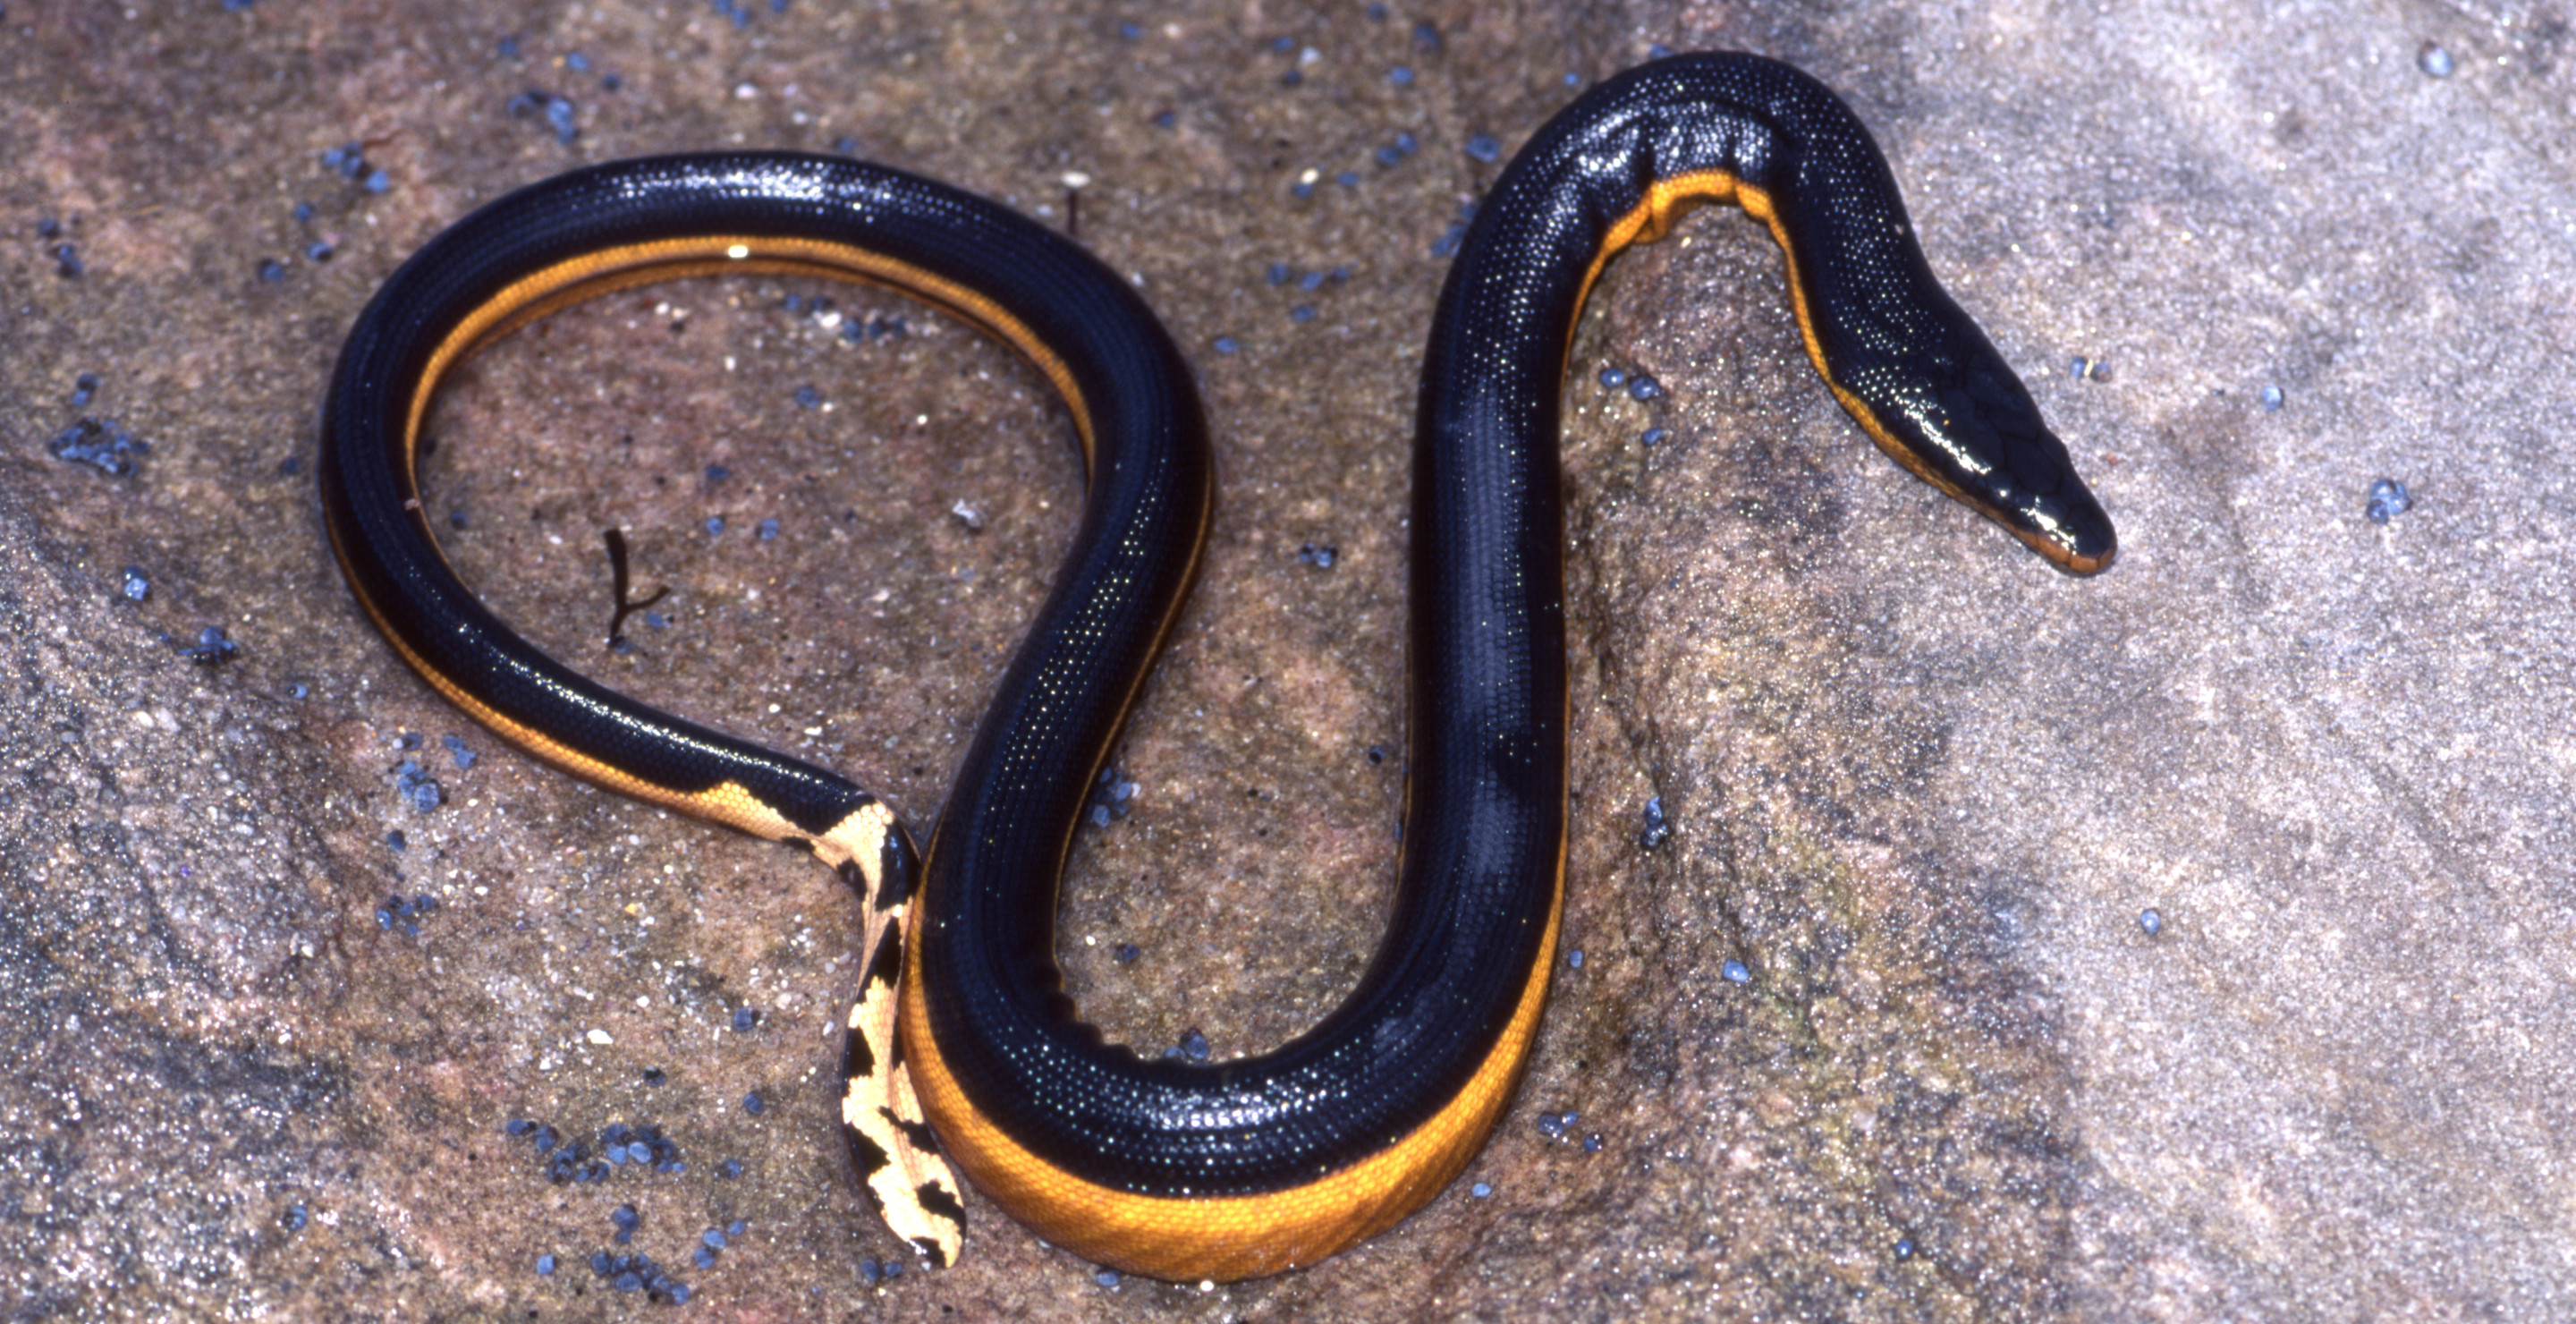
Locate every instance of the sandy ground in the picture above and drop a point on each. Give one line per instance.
(1924, 790)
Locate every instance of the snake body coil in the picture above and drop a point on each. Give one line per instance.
(1163, 1167)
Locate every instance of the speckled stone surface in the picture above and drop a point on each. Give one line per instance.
(1921, 788)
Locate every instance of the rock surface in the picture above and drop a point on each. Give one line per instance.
(1878, 1031)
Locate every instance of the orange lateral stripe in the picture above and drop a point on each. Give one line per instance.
(1225, 1237)
(606, 271)
(1666, 201)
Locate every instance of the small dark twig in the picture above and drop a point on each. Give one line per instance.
(617, 575)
